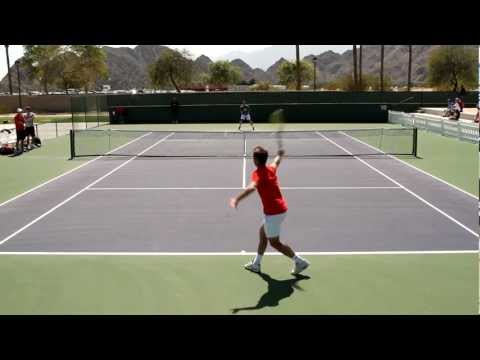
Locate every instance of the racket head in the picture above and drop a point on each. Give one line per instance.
(278, 120)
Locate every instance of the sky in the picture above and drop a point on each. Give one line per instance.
(215, 52)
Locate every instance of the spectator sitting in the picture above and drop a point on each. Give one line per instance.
(449, 111)
(456, 110)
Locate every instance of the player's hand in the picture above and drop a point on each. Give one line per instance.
(233, 203)
(281, 152)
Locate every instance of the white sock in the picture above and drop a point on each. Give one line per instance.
(258, 259)
(297, 258)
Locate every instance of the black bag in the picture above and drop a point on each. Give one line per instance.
(6, 149)
(36, 141)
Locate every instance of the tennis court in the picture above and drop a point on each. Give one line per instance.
(346, 196)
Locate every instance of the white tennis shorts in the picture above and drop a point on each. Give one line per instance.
(245, 117)
(272, 224)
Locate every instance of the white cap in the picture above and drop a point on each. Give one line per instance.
(19, 110)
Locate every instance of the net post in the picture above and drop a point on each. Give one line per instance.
(415, 142)
(72, 144)
(72, 109)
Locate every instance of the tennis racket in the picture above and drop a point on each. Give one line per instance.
(277, 119)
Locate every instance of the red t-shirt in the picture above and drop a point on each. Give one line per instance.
(269, 190)
(19, 122)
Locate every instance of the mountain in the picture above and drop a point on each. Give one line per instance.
(201, 64)
(264, 58)
(247, 73)
(128, 68)
(272, 70)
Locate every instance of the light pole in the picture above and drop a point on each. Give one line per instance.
(8, 69)
(17, 65)
(314, 73)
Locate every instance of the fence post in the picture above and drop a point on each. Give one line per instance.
(96, 110)
(415, 141)
(72, 145)
(56, 128)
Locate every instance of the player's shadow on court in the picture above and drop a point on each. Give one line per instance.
(277, 291)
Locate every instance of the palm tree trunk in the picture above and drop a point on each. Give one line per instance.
(360, 67)
(355, 76)
(297, 48)
(382, 54)
(409, 67)
(173, 81)
(10, 88)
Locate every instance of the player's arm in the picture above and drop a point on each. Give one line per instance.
(248, 190)
(278, 159)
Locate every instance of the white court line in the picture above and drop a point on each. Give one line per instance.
(161, 188)
(306, 253)
(412, 166)
(68, 172)
(238, 188)
(403, 187)
(79, 192)
(244, 162)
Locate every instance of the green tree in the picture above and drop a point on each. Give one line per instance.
(369, 82)
(91, 64)
(173, 67)
(377, 83)
(287, 73)
(41, 62)
(449, 66)
(223, 73)
(261, 86)
(68, 71)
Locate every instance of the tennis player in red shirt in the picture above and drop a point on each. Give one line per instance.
(19, 120)
(264, 180)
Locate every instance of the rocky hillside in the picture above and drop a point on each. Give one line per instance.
(129, 67)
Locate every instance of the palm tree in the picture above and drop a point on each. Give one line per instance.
(409, 67)
(355, 76)
(360, 66)
(297, 48)
(382, 54)
(8, 68)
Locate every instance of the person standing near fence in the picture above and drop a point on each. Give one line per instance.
(174, 106)
(29, 126)
(20, 129)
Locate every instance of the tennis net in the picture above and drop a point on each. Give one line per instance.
(226, 144)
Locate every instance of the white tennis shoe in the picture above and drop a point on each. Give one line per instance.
(252, 267)
(300, 265)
